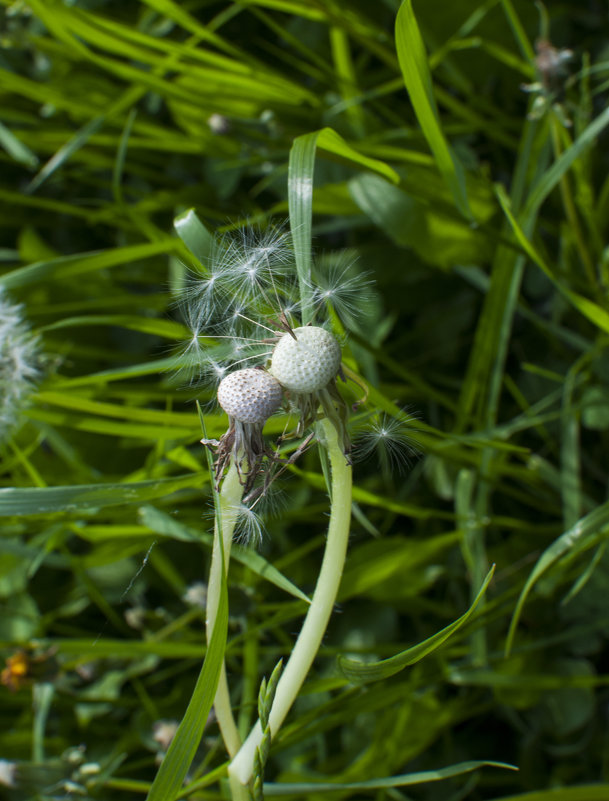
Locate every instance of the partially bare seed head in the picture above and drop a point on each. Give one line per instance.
(249, 395)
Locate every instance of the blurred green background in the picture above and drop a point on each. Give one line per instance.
(491, 331)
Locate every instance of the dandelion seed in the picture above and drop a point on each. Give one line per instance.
(337, 286)
(248, 526)
(391, 438)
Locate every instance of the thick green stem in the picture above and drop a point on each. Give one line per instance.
(229, 501)
(318, 615)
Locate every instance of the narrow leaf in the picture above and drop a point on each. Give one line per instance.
(195, 236)
(417, 78)
(380, 784)
(43, 500)
(174, 767)
(300, 195)
(362, 672)
(586, 533)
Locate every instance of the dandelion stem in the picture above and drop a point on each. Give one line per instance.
(318, 615)
(229, 501)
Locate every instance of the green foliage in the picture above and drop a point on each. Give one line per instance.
(398, 137)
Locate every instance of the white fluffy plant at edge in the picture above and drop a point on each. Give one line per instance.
(19, 363)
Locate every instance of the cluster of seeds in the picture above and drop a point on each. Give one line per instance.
(243, 312)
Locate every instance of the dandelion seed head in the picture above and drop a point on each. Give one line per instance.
(19, 363)
(306, 359)
(250, 395)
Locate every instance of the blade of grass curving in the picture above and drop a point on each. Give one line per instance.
(133, 370)
(551, 177)
(81, 263)
(121, 155)
(71, 400)
(15, 148)
(80, 138)
(300, 196)
(170, 778)
(518, 30)
(586, 533)
(195, 236)
(361, 672)
(417, 79)
(111, 428)
(595, 313)
(44, 500)
(380, 784)
(169, 329)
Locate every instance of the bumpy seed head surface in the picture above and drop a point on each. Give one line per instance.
(307, 363)
(249, 395)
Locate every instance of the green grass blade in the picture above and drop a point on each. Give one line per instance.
(362, 672)
(81, 263)
(15, 148)
(168, 329)
(77, 141)
(34, 501)
(595, 313)
(551, 177)
(586, 533)
(300, 196)
(417, 78)
(405, 780)
(195, 236)
(169, 780)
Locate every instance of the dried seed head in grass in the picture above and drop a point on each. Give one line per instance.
(249, 397)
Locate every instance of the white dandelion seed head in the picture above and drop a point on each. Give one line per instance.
(250, 395)
(306, 360)
(19, 363)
